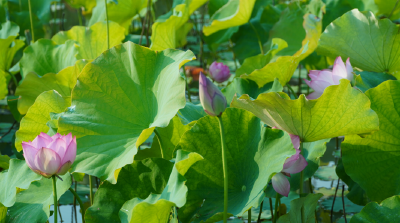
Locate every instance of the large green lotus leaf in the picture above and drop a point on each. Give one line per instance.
(371, 161)
(4, 162)
(312, 152)
(241, 86)
(309, 204)
(88, 5)
(386, 212)
(169, 137)
(167, 33)
(156, 208)
(121, 12)
(93, 41)
(214, 40)
(341, 110)
(299, 27)
(35, 120)
(34, 203)
(139, 179)
(191, 112)
(257, 62)
(18, 175)
(233, 13)
(254, 153)
(388, 8)
(33, 85)
(45, 56)
(360, 43)
(124, 93)
(3, 85)
(356, 194)
(366, 80)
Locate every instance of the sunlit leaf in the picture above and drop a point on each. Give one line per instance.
(45, 56)
(165, 33)
(388, 8)
(371, 161)
(386, 212)
(88, 5)
(118, 101)
(341, 110)
(121, 13)
(356, 34)
(33, 85)
(35, 120)
(233, 13)
(92, 41)
(3, 85)
(254, 153)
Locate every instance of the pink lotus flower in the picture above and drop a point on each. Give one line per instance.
(50, 156)
(219, 72)
(321, 79)
(211, 98)
(292, 165)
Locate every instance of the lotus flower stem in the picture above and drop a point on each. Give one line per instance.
(30, 15)
(344, 208)
(225, 168)
(159, 142)
(55, 197)
(258, 38)
(80, 203)
(79, 16)
(292, 91)
(259, 213)
(271, 208)
(91, 189)
(249, 215)
(276, 207)
(108, 31)
(302, 184)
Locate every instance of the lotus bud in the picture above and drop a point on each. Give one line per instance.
(219, 72)
(321, 79)
(50, 156)
(211, 98)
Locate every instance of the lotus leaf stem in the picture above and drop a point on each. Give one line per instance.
(225, 168)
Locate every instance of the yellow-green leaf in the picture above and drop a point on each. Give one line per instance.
(341, 110)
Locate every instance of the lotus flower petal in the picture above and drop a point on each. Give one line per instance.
(349, 69)
(314, 95)
(29, 155)
(211, 98)
(47, 162)
(70, 154)
(295, 165)
(281, 184)
(219, 72)
(339, 70)
(41, 141)
(50, 155)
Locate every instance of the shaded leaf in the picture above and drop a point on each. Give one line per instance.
(309, 204)
(386, 212)
(254, 154)
(371, 161)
